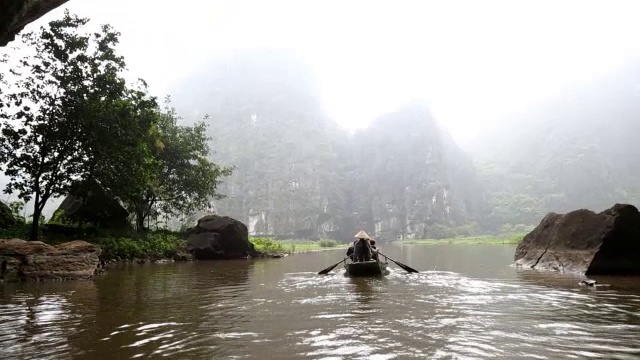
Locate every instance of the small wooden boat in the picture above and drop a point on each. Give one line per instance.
(366, 268)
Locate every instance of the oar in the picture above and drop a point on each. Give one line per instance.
(326, 271)
(405, 267)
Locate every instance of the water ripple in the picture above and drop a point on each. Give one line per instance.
(226, 311)
(462, 317)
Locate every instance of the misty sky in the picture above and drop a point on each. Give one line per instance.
(474, 60)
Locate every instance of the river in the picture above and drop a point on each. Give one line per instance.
(467, 302)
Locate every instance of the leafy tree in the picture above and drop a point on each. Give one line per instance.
(17, 208)
(122, 159)
(178, 178)
(48, 117)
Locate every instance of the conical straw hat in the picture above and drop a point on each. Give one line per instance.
(362, 235)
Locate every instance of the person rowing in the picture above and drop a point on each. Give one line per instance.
(361, 250)
(374, 249)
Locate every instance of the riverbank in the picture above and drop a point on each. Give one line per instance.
(469, 240)
(115, 246)
(156, 246)
(166, 248)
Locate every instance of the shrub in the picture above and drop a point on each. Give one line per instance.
(515, 238)
(17, 208)
(57, 217)
(19, 231)
(265, 244)
(151, 245)
(439, 231)
(469, 229)
(327, 243)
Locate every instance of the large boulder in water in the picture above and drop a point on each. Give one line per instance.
(34, 260)
(219, 237)
(585, 242)
(6, 217)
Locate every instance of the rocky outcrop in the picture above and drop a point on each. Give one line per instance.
(584, 242)
(219, 237)
(6, 217)
(22, 260)
(16, 14)
(90, 204)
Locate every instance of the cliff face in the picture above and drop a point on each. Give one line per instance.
(299, 175)
(409, 176)
(16, 14)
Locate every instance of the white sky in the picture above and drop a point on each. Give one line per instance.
(474, 60)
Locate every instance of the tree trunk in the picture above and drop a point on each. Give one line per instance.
(139, 220)
(37, 210)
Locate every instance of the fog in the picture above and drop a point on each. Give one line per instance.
(474, 61)
(526, 89)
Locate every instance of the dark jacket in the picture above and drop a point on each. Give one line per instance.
(362, 250)
(350, 252)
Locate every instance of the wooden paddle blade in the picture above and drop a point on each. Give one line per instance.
(407, 268)
(327, 270)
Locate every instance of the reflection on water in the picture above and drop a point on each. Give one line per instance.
(467, 302)
(36, 319)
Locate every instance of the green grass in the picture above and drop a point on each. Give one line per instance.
(469, 240)
(293, 245)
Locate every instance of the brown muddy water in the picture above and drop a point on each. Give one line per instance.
(466, 303)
